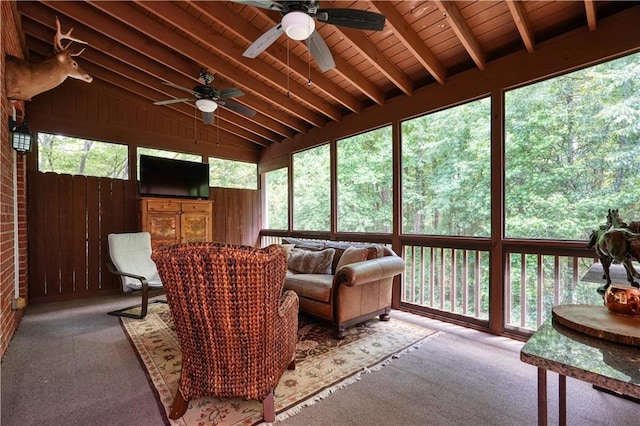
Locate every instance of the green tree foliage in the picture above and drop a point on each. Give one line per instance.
(232, 174)
(311, 189)
(446, 175)
(277, 199)
(365, 182)
(74, 156)
(572, 148)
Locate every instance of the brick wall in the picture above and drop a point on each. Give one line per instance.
(9, 319)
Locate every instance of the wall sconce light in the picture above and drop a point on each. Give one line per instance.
(21, 136)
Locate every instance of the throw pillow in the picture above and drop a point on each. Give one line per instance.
(352, 255)
(288, 247)
(311, 262)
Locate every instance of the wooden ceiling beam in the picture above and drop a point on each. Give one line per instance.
(139, 53)
(221, 45)
(42, 30)
(229, 19)
(44, 13)
(162, 34)
(590, 9)
(357, 80)
(463, 31)
(410, 40)
(521, 20)
(368, 50)
(113, 76)
(343, 67)
(119, 81)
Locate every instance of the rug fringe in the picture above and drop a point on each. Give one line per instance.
(357, 376)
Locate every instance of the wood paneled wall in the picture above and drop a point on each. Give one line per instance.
(237, 216)
(100, 111)
(69, 218)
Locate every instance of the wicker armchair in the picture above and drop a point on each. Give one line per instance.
(236, 329)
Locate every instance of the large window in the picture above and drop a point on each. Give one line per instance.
(277, 199)
(365, 182)
(232, 174)
(446, 173)
(572, 150)
(311, 190)
(75, 156)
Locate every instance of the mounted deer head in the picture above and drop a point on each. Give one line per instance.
(25, 80)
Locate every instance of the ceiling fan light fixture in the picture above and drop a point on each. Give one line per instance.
(206, 105)
(298, 25)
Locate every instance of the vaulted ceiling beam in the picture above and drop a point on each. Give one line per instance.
(39, 20)
(522, 23)
(463, 31)
(367, 49)
(161, 34)
(590, 9)
(117, 76)
(343, 67)
(143, 55)
(223, 46)
(229, 19)
(410, 40)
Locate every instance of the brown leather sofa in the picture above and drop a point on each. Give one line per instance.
(347, 293)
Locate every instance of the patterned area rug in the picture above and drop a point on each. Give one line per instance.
(323, 364)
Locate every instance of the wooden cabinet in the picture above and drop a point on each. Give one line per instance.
(174, 221)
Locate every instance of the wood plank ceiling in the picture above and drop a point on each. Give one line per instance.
(136, 45)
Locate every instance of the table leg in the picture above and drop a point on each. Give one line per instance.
(562, 399)
(542, 397)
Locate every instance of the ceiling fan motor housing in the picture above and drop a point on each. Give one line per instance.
(205, 92)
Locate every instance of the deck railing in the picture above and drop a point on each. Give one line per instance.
(450, 277)
(447, 279)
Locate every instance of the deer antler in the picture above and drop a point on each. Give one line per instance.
(57, 40)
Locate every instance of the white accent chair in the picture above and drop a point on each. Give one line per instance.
(130, 255)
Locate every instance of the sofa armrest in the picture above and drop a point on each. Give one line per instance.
(367, 271)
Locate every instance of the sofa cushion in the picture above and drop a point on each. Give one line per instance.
(355, 254)
(305, 244)
(311, 262)
(310, 286)
(288, 247)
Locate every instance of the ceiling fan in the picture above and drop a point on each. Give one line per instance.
(298, 23)
(208, 98)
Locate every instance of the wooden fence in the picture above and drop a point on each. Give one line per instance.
(69, 218)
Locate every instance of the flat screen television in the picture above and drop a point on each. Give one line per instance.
(167, 177)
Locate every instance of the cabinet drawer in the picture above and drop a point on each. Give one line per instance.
(163, 206)
(195, 207)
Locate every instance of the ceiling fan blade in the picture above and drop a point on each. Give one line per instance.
(263, 42)
(207, 117)
(174, 101)
(352, 18)
(264, 4)
(237, 108)
(231, 92)
(320, 52)
(179, 87)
